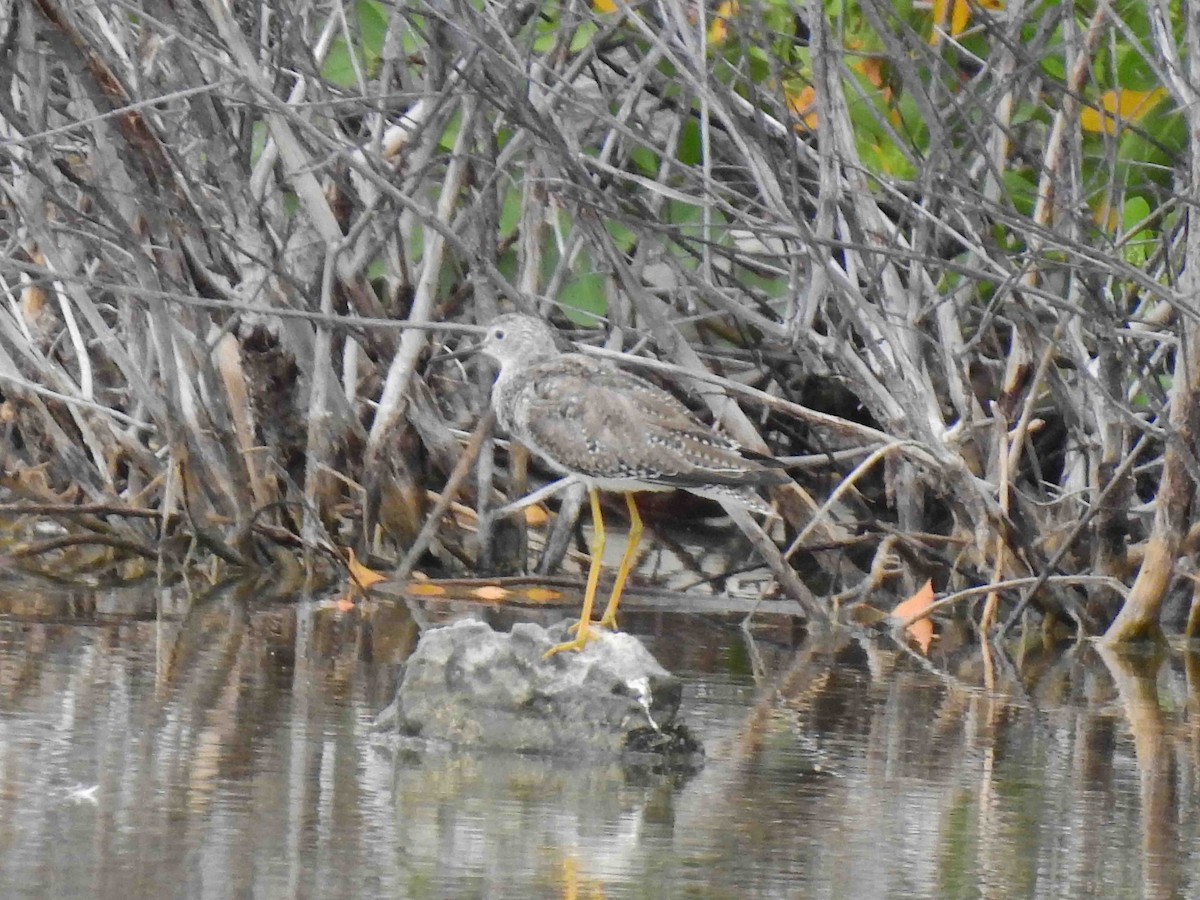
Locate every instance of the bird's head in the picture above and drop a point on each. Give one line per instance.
(517, 338)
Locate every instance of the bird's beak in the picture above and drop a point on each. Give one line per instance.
(470, 349)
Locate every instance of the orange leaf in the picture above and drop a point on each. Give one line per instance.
(536, 516)
(920, 631)
(360, 576)
(871, 69)
(493, 593)
(802, 104)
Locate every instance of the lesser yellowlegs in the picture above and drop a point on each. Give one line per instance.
(613, 431)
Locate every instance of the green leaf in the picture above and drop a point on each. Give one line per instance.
(338, 69)
(912, 121)
(1134, 73)
(411, 40)
(1135, 211)
(689, 143)
(1135, 15)
(510, 212)
(1169, 129)
(583, 35)
(1028, 112)
(1139, 247)
(507, 265)
(771, 287)
(546, 29)
(1055, 67)
(450, 135)
(258, 140)
(870, 154)
(1142, 401)
(583, 300)
(1021, 191)
(760, 64)
(416, 245)
(689, 215)
(372, 21)
(646, 160)
(894, 162)
(622, 236)
(372, 26)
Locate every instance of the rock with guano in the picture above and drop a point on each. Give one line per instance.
(469, 686)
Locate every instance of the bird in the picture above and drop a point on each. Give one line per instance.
(612, 430)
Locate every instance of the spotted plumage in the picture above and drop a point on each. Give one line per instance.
(614, 431)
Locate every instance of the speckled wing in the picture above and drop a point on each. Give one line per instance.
(589, 418)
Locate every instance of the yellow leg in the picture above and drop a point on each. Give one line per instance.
(609, 619)
(589, 595)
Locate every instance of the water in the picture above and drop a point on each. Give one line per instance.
(151, 751)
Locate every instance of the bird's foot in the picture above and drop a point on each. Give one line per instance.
(608, 623)
(583, 637)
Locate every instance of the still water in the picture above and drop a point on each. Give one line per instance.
(154, 748)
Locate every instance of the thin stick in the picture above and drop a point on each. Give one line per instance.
(461, 469)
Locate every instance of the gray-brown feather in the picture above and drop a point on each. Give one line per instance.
(590, 418)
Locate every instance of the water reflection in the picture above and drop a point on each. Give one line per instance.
(152, 747)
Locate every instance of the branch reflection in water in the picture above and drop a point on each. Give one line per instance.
(154, 746)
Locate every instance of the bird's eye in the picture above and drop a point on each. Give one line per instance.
(498, 334)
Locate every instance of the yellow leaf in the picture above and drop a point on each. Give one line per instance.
(1106, 217)
(1128, 106)
(492, 593)
(718, 29)
(803, 105)
(33, 298)
(542, 595)
(940, 8)
(360, 576)
(604, 6)
(33, 301)
(866, 615)
(920, 631)
(960, 17)
(424, 589)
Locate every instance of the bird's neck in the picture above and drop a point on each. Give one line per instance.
(507, 384)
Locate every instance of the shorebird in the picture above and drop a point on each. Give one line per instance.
(586, 418)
